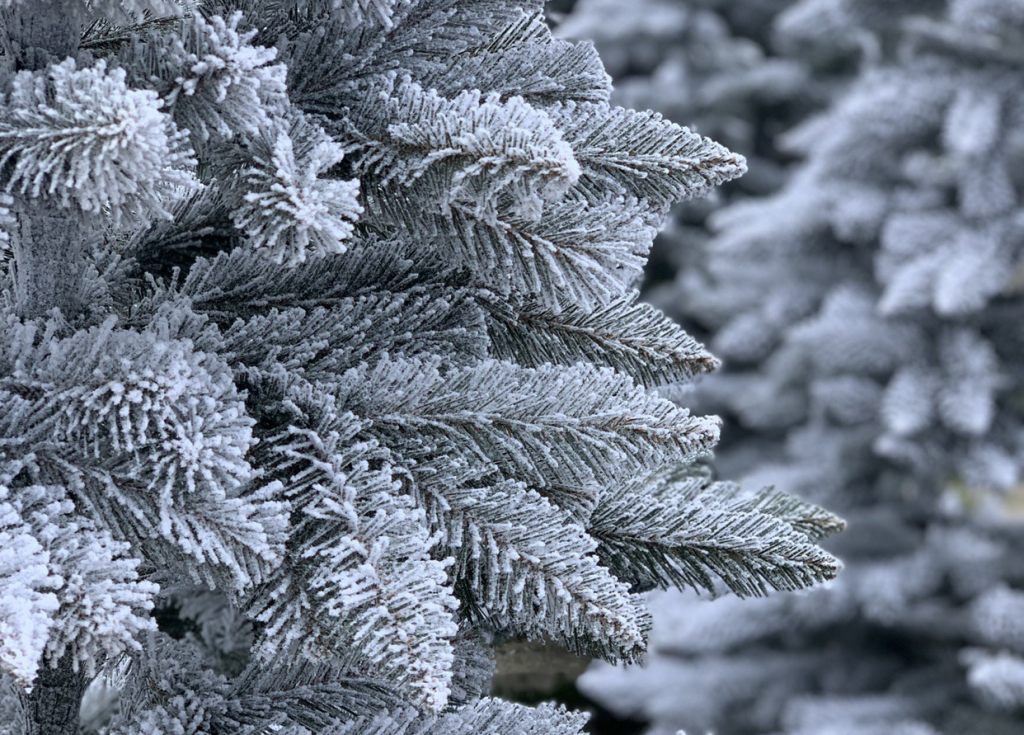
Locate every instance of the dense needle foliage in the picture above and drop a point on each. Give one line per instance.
(319, 345)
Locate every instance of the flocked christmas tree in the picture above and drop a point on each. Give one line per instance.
(321, 368)
(869, 315)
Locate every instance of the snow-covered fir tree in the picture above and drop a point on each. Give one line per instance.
(321, 369)
(869, 315)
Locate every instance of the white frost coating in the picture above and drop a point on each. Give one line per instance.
(214, 82)
(28, 597)
(358, 12)
(79, 589)
(366, 580)
(176, 411)
(477, 146)
(149, 428)
(160, 8)
(104, 607)
(85, 138)
(485, 715)
(120, 11)
(291, 210)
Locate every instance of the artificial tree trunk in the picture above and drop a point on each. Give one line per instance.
(35, 33)
(52, 707)
(49, 250)
(49, 247)
(49, 241)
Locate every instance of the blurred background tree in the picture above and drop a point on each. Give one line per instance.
(863, 285)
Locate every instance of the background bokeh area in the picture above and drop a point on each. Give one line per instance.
(864, 286)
